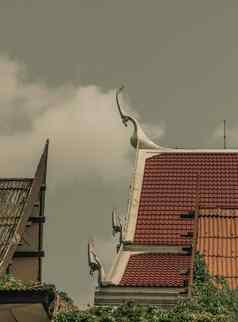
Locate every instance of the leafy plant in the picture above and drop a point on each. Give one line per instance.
(9, 282)
(212, 301)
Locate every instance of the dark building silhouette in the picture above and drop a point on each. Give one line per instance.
(22, 204)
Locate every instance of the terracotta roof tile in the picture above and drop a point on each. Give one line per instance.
(218, 241)
(165, 270)
(171, 184)
(170, 187)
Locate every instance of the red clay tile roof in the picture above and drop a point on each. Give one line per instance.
(218, 241)
(164, 270)
(170, 188)
(174, 184)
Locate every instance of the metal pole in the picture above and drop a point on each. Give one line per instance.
(224, 134)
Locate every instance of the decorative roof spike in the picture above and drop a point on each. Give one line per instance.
(41, 170)
(95, 263)
(117, 226)
(116, 222)
(138, 139)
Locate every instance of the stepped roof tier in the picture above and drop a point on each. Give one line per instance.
(218, 241)
(181, 201)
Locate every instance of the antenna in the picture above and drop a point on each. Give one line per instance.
(224, 134)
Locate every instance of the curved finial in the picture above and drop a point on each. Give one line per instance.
(117, 226)
(95, 263)
(139, 138)
(116, 223)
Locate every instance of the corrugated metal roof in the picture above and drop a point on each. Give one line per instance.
(170, 187)
(13, 196)
(163, 270)
(17, 200)
(218, 241)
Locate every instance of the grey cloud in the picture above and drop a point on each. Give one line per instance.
(22, 102)
(179, 63)
(90, 163)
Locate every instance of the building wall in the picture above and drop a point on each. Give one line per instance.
(30, 240)
(27, 261)
(23, 313)
(25, 269)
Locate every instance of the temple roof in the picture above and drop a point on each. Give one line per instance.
(218, 242)
(13, 196)
(18, 196)
(170, 185)
(181, 201)
(151, 269)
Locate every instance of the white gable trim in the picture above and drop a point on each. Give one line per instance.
(118, 267)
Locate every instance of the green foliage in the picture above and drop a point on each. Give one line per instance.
(9, 282)
(65, 297)
(211, 301)
(201, 274)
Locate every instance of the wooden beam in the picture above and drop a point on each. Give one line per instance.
(29, 254)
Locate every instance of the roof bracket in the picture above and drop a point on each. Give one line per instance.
(188, 235)
(188, 215)
(186, 282)
(188, 249)
(185, 272)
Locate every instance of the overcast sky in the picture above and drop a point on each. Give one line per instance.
(60, 63)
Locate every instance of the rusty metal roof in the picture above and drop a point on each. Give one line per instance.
(17, 200)
(13, 196)
(218, 242)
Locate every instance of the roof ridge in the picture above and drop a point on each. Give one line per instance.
(221, 256)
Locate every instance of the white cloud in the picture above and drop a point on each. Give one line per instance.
(89, 162)
(82, 123)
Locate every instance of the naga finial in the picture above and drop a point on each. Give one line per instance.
(116, 226)
(138, 139)
(95, 263)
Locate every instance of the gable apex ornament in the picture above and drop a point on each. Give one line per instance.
(117, 226)
(94, 263)
(138, 139)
